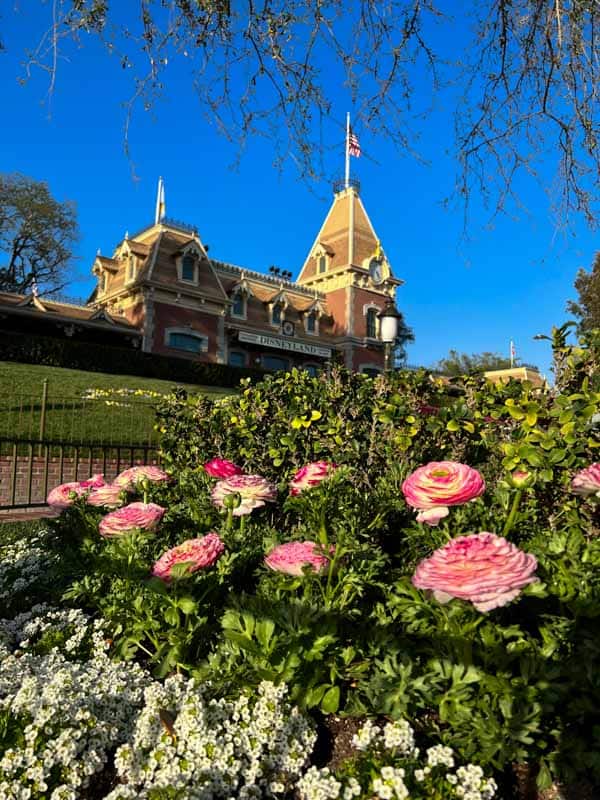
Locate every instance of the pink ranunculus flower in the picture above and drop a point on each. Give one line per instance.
(221, 468)
(130, 479)
(196, 553)
(587, 481)
(292, 557)
(254, 491)
(439, 484)
(107, 496)
(311, 475)
(134, 518)
(482, 568)
(65, 495)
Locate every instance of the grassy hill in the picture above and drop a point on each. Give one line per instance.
(82, 406)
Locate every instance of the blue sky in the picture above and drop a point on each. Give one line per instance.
(511, 279)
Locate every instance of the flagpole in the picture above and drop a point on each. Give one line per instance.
(347, 174)
(512, 356)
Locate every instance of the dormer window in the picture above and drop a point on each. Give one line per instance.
(311, 322)
(238, 307)
(322, 263)
(103, 282)
(188, 268)
(276, 314)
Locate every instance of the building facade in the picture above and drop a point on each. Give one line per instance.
(185, 303)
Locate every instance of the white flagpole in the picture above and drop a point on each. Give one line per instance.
(347, 175)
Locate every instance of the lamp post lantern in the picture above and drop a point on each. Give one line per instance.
(388, 330)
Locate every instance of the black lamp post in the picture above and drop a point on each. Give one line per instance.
(388, 330)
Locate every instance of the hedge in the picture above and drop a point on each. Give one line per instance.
(54, 352)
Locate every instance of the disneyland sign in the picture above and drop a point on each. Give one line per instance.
(284, 344)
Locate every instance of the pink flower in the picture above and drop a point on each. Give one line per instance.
(521, 479)
(221, 468)
(130, 479)
(440, 484)
(107, 496)
(254, 491)
(196, 553)
(65, 495)
(136, 517)
(587, 481)
(292, 557)
(310, 475)
(483, 568)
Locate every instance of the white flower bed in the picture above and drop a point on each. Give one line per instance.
(200, 749)
(22, 565)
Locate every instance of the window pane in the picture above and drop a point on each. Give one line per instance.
(237, 359)
(312, 369)
(274, 362)
(185, 341)
(187, 268)
(239, 306)
(276, 316)
(322, 263)
(310, 323)
(371, 323)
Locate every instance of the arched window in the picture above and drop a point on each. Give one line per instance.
(311, 323)
(130, 267)
(188, 268)
(372, 323)
(322, 263)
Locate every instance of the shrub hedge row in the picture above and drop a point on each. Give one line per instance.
(54, 352)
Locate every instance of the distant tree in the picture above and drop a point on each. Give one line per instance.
(587, 306)
(457, 363)
(405, 335)
(37, 236)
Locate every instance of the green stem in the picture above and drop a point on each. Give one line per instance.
(513, 512)
(242, 523)
(229, 521)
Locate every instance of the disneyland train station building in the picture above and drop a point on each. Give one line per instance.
(161, 291)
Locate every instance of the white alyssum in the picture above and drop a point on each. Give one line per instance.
(203, 749)
(22, 564)
(71, 715)
(391, 763)
(27, 630)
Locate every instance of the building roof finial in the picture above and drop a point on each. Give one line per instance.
(161, 207)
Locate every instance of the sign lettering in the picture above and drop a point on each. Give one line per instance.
(284, 344)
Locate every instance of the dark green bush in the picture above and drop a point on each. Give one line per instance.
(51, 352)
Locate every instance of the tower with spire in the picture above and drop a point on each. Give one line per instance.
(348, 265)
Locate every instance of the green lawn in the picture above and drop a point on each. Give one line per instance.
(73, 416)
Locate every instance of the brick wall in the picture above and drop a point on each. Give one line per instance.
(85, 468)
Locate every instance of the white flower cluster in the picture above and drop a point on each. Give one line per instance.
(390, 785)
(22, 564)
(472, 785)
(69, 630)
(67, 717)
(391, 781)
(202, 749)
(397, 736)
(108, 394)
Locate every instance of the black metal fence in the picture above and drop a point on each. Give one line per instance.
(30, 468)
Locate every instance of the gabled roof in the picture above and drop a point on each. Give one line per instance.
(30, 306)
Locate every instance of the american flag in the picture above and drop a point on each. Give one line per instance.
(353, 144)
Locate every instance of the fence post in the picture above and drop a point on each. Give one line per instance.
(43, 415)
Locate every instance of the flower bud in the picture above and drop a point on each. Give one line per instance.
(233, 500)
(521, 479)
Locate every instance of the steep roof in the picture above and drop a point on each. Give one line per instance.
(347, 237)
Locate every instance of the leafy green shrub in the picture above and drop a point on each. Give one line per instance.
(516, 683)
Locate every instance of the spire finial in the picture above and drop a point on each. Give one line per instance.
(160, 202)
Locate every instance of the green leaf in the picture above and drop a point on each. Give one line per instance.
(452, 426)
(331, 701)
(171, 616)
(188, 605)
